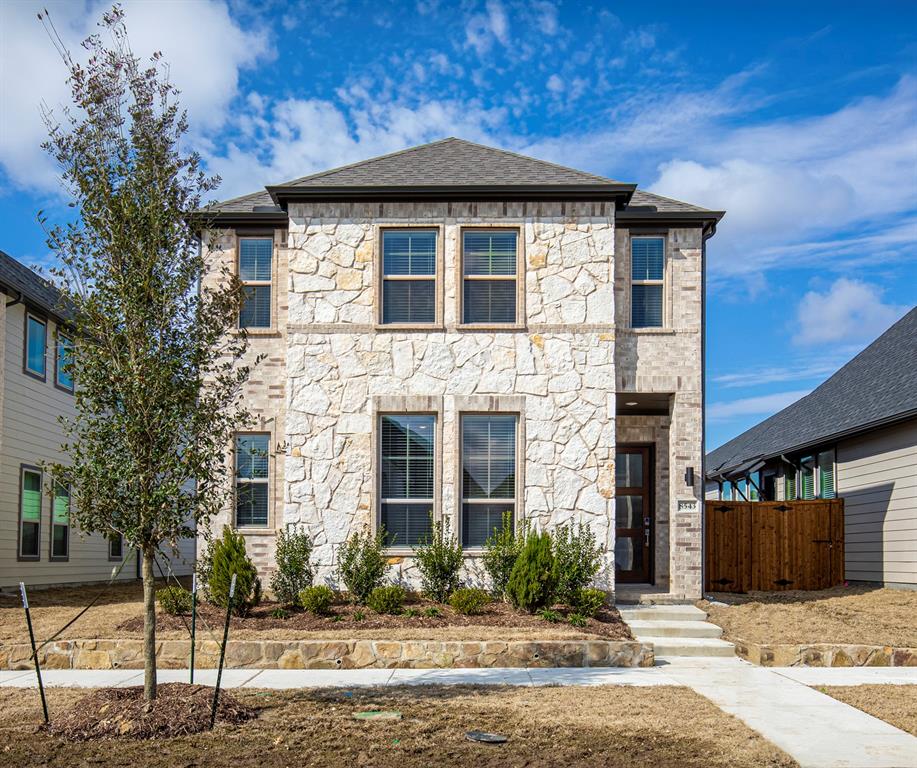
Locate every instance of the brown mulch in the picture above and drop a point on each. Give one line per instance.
(178, 710)
(895, 704)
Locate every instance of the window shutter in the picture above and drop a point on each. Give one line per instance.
(807, 475)
(789, 485)
(826, 472)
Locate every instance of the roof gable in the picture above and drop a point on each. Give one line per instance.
(33, 287)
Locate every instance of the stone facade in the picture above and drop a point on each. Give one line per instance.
(331, 369)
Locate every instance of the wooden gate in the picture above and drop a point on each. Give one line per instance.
(773, 545)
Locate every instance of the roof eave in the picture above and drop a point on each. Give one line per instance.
(706, 219)
(213, 219)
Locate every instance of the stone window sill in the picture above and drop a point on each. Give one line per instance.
(255, 531)
(259, 333)
(650, 331)
(493, 327)
(410, 327)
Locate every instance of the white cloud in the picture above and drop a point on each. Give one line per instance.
(749, 377)
(482, 29)
(849, 311)
(753, 406)
(555, 84)
(546, 17)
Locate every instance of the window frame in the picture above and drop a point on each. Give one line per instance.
(23, 469)
(380, 278)
(57, 369)
(257, 235)
(518, 468)
(25, 345)
(519, 278)
(52, 525)
(820, 487)
(267, 481)
(110, 540)
(664, 319)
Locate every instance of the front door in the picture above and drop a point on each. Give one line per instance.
(633, 513)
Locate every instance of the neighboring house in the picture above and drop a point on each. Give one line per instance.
(456, 332)
(855, 437)
(39, 543)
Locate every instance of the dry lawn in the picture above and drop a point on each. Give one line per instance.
(611, 726)
(895, 704)
(856, 615)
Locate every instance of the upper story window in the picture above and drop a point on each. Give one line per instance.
(647, 270)
(255, 269)
(489, 275)
(406, 487)
(252, 457)
(488, 475)
(36, 342)
(408, 276)
(63, 376)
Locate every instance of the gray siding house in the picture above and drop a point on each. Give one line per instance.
(855, 437)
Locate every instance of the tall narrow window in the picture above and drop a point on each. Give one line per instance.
(647, 264)
(826, 475)
(789, 483)
(807, 478)
(63, 376)
(489, 269)
(252, 456)
(36, 341)
(29, 513)
(727, 491)
(488, 475)
(255, 256)
(408, 276)
(60, 522)
(115, 546)
(406, 488)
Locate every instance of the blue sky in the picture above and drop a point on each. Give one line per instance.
(799, 119)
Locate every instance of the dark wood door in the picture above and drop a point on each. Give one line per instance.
(633, 513)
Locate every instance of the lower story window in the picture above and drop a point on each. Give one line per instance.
(488, 475)
(29, 513)
(60, 523)
(826, 488)
(406, 488)
(115, 546)
(252, 455)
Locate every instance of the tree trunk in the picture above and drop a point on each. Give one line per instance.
(149, 626)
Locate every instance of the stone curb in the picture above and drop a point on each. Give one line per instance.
(337, 654)
(824, 655)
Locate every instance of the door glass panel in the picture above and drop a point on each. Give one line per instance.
(629, 511)
(629, 470)
(629, 554)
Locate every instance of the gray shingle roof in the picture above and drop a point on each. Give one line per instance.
(877, 386)
(18, 277)
(662, 204)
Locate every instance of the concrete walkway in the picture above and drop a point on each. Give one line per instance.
(818, 731)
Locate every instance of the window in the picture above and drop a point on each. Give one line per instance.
(35, 346)
(29, 513)
(60, 522)
(406, 488)
(826, 475)
(408, 276)
(742, 489)
(488, 475)
(769, 489)
(115, 546)
(727, 491)
(252, 453)
(807, 478)
(63, 377)
(789, 484)
(647, 268)
(489, 266)
(255, 255)
(754, 486)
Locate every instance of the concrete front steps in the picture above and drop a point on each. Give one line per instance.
(676, 630)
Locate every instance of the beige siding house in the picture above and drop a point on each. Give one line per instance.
(39, 544)
(458, 333)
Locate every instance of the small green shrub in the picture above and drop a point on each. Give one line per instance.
(203, 566)
(501, 550)
(590, 601)
(533, 579)
(577, 559)
(577, 620)
(230, 557)
(432, 611)
(174, 600)
(317, 599)
(411, 613)
(550, 615)
(439, 560)
(280, 613)
(469, 601)
(294, 571)
(362, 564)
(358, 615)
(388, 599)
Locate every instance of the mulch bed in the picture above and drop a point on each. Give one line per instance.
(607, 624)
(178, 710)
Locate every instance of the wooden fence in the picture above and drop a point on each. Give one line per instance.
(774, 545)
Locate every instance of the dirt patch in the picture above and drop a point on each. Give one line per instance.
(597, 726)
(179, 710)
(895, 704)
(855, 615)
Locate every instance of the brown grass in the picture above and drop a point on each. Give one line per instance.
(895, 704)
(856, 615)
(602, 726)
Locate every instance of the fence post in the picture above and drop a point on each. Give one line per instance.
(28, 621)
(216, 690)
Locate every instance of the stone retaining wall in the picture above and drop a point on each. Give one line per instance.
(825, 655)
(337, 654)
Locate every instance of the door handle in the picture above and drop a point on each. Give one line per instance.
(646, 537)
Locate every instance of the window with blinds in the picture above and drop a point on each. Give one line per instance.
(789, 484)
(826, 488)
(407, 477)
(255, 268)
(29, 513)
(408, 276)
(488, 474)
(252, 465)
(807, 478)
(489, 273)
(647, 265)
(60, 522)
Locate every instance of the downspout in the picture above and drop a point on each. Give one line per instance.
(705, 235)
(17, 300)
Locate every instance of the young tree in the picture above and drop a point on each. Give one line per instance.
(157, 367)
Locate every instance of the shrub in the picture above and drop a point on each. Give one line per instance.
(577, 620)
(577, 559)
(533, 579)
(501, 550)
(358, 615)
(411, 613)
(469, 601)
(590, 601)
(439, 560)
(361, 563)
(203, 567)
(280, 613)
(432, 611)
(229, 557)
(174, 600)
(550, 615)
(316, 599)
(388, 599)
(294, 571)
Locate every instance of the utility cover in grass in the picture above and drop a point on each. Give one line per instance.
(486, 738)
(377, 714)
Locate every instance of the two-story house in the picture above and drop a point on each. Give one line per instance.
(455, 332)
